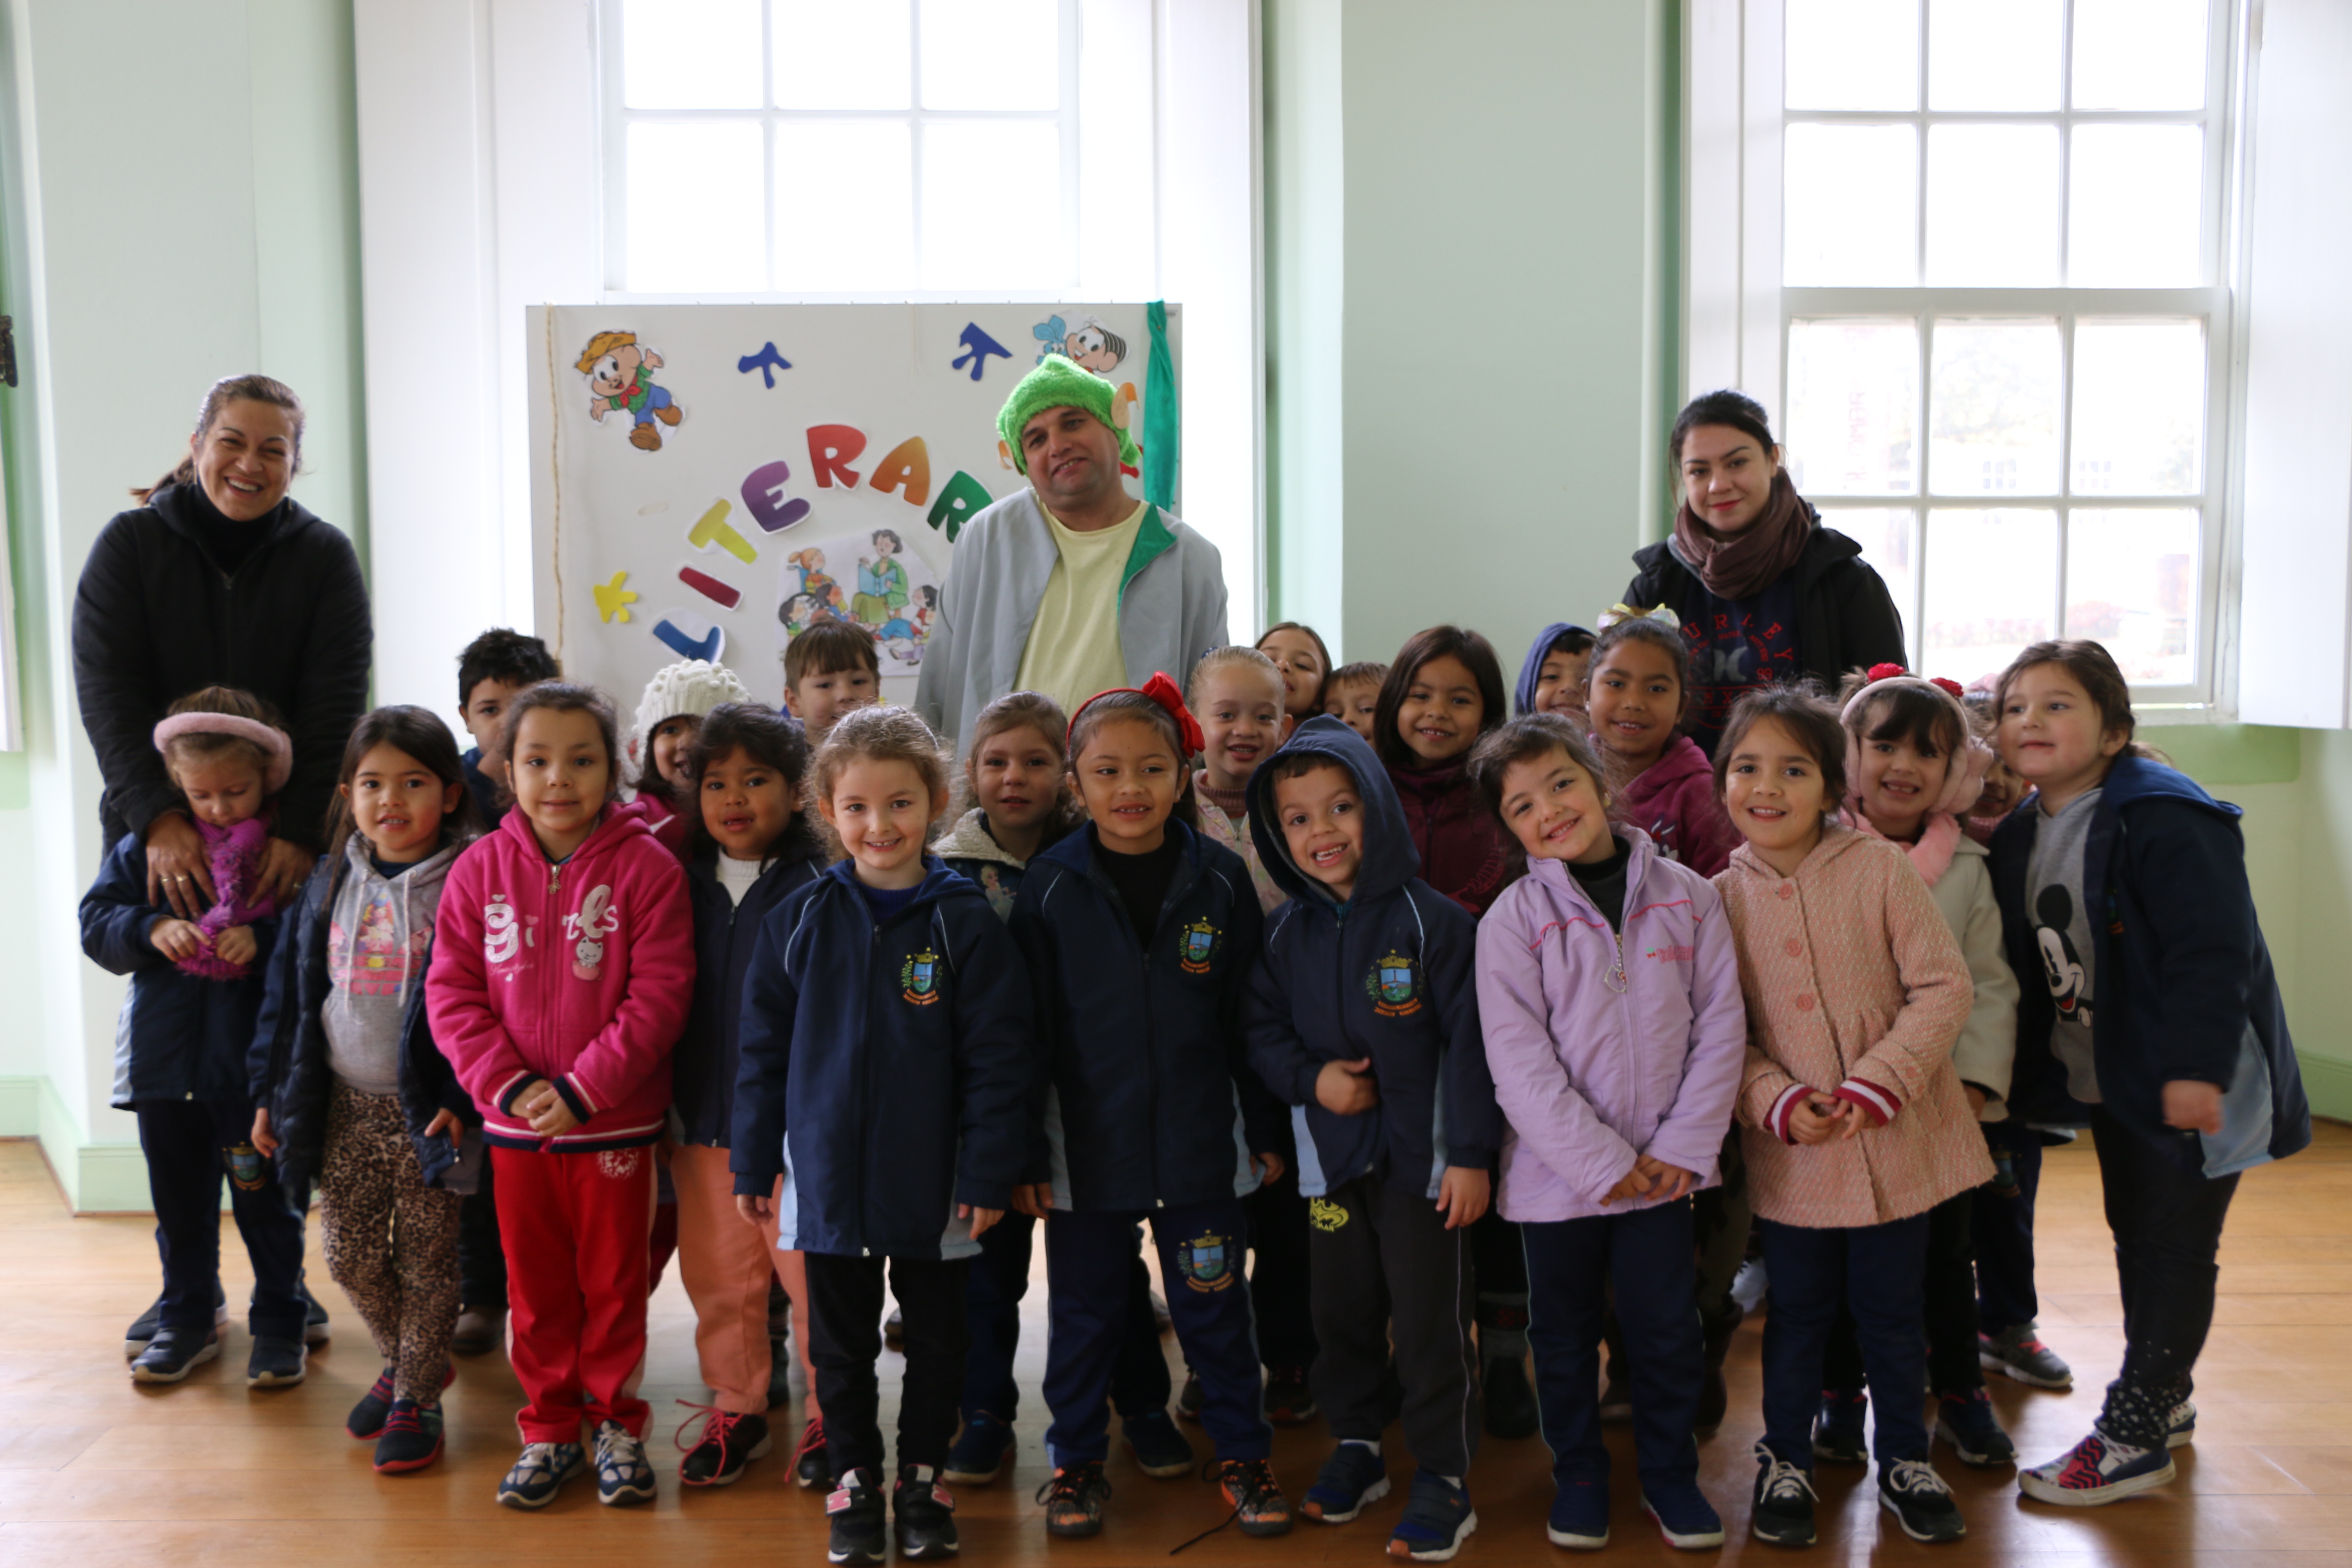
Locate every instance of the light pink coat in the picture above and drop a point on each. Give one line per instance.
(1850, 970)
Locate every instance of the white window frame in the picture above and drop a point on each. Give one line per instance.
(1738, 312)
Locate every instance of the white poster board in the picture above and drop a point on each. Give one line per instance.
(706, 478)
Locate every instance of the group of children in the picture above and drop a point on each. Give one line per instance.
(1484, 1032)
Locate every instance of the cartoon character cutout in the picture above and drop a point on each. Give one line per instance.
(620, 373)
(881, 584)
(594, 920)
(814, 580)
(2061, 966)
(1095, 346)
(801, 611)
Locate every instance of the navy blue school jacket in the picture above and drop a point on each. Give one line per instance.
(286, 1068)
(2183, 978)
(178, 1037)
(887, 1070)
(1386, 975)
(1145, 1053)
(704, 1067)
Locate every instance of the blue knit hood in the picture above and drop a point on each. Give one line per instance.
(1390, 860)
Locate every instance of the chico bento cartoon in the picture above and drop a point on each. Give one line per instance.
(621, 377)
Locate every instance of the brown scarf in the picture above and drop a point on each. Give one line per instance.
(1742, 565)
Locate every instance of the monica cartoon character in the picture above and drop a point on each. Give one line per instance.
(2061, 966)
(621, 377)
(1095, 346)
(881, 582)
(810, 565)
(800, 611)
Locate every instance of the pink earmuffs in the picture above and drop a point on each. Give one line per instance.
(1963, 783)
(271, 740)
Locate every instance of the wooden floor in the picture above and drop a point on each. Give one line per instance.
(97, 1470)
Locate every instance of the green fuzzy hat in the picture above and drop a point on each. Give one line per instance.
(1059, 383)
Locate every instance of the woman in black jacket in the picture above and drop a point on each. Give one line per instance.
(1764, 592)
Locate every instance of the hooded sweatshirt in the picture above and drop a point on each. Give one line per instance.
(1464, 851)
(707, 1060)
(972, 852)
(579, 974)
(1673, 801)
(1386, 975)
(378, 938)
(1523, 695)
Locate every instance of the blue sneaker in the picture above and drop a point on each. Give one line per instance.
(1580, 1516)
(1437, 1520)
(1352, 1476)
(1158, 1449)
(1684, 1516)
(1967, 1422)
(2180, 1426)
(2096, 1470)
(981, 1452)
(1837, 1435)
(540, 1473)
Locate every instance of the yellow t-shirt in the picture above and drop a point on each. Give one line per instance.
(1073, 651)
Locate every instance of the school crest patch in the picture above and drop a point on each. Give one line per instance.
(1393, 987)
(918, 978)
(1325, 1215)
(1198, 947)
(1206, 1262)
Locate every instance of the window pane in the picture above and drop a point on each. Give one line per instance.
(696, 211)
(1992, 409)
(2139, 54)
(1992, 54)
(1851, 208)
(968, 165)
(690, 54)
(833, 56)
(1852, 54)
(2131, 583)
(1992, 206)
(1992, 583)
(2134, 207)
(845, 204)
(1853, 402)
(2139, 408)
(991, 54)
(1888, 545)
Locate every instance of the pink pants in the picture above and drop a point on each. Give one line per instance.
(726, 1264)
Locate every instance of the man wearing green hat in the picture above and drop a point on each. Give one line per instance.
(1069, 586)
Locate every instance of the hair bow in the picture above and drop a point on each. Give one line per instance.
(1169, 696)
(1662, 613)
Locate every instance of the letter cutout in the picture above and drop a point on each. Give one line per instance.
(976, 346)
(908, 464)
(690, 636)
(764, 498)
(766, 361)
(831, 448)
(958, 501)
(712, 530)
(613, 601)
(710, 587)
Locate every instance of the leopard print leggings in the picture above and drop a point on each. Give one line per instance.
(391, 1241)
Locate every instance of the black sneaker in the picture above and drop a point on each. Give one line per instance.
(1158, 1449)
(1189, 1398)
(980, 1451)
(727, 1443)
(142, 1331)
(812, 1462)
(365, 1422)
(1255, 1497)
(1351, 1479)
(1967, 1422)
(1920, 1501)
(173, 1353)
(411, 1438)
(1837, 1432)
(275, 1362)
(1510, 1398)
(1783, 1512)
(857, 1511)
(623, 1476)
(540, 1473)
(1073, 1499)
(1289, 1401)
(922, 1514)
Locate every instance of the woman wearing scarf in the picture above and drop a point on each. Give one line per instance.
(1763, 591)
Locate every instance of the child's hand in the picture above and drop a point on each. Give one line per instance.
(2192, 1106)
(1667, 1183)
(261, 1136)
(1634, 1183)
(546, 1112)
(444, 1121)
(1033, 1198)
(175, 939)
(1270, 1167)
(1815, 1119)
(1347, 1089)
(1462, 1194)
(235, 946)
(755, 1208)
(983, 1220)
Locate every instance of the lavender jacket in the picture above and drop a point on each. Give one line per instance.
(1594, 1064)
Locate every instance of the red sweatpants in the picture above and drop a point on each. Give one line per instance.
(576, 1229)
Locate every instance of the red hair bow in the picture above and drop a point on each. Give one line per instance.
(1885, 672)
(1943, 684)
(1169, 696)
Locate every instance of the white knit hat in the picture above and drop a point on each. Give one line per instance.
(691, 686)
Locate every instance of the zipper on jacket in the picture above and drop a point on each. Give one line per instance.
(865, 1083)
(550, 995)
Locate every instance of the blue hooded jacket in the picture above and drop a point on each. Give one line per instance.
(179, 1037)
(886, 1069)
(2185, 987)
(1146, 1061)
(704, 1067)
(1388, 975)
(1523, 695)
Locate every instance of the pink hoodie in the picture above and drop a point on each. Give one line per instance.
(579, 974)
(1673, 800)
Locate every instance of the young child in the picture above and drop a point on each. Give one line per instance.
(2004, 790)
(562, 971)
(1638, 701)
(1396, 1124)
(1139, 934)
(751, 849)
(1854, 1121)
(672, 708)
(1617, 1079)
(492, 669)
(1298, 651)
(1552, 677)
(1352, 695)
(351, 1090)
(887, 1080)
(2163, 1017)
(1237, 694)
(829, 669)
(1019, 803)
(1912, 768)
(182, 1040)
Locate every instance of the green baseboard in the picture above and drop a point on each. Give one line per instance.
(97, 1178)
(2329, 1083)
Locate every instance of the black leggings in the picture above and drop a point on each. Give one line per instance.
(2167, 1221)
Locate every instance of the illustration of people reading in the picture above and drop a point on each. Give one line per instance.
(810, 565)
(620, 374)
(881, 584)
(800, 611)
(2061, 966)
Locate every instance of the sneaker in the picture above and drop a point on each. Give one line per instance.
(1259, 1507)
(480, 1330)
(365, 1422)
(981, 1452)
(1073, 1499)
(1158, 1449)
(275, 1362)
(1580, 1516)
(1510, 1398)
(1837, 1433)
(856, 1509)
(894, 1330)
(728, 1442)
(411, 1437)
(1353, 1477)
(1190, 1397)
(811, 1461)
(173, 1353)
(1968, 1423)
(1783, 1511)
(1684, 1516)
(314, 1317)
(922, 1514)
(1437, 1520)
(142, 1331)
(1289, 1401)
(2096, 1470)
(623, 1476)
(1921, 1504)
(2180, 1426)
(2017, 1352)
(540, 1473)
